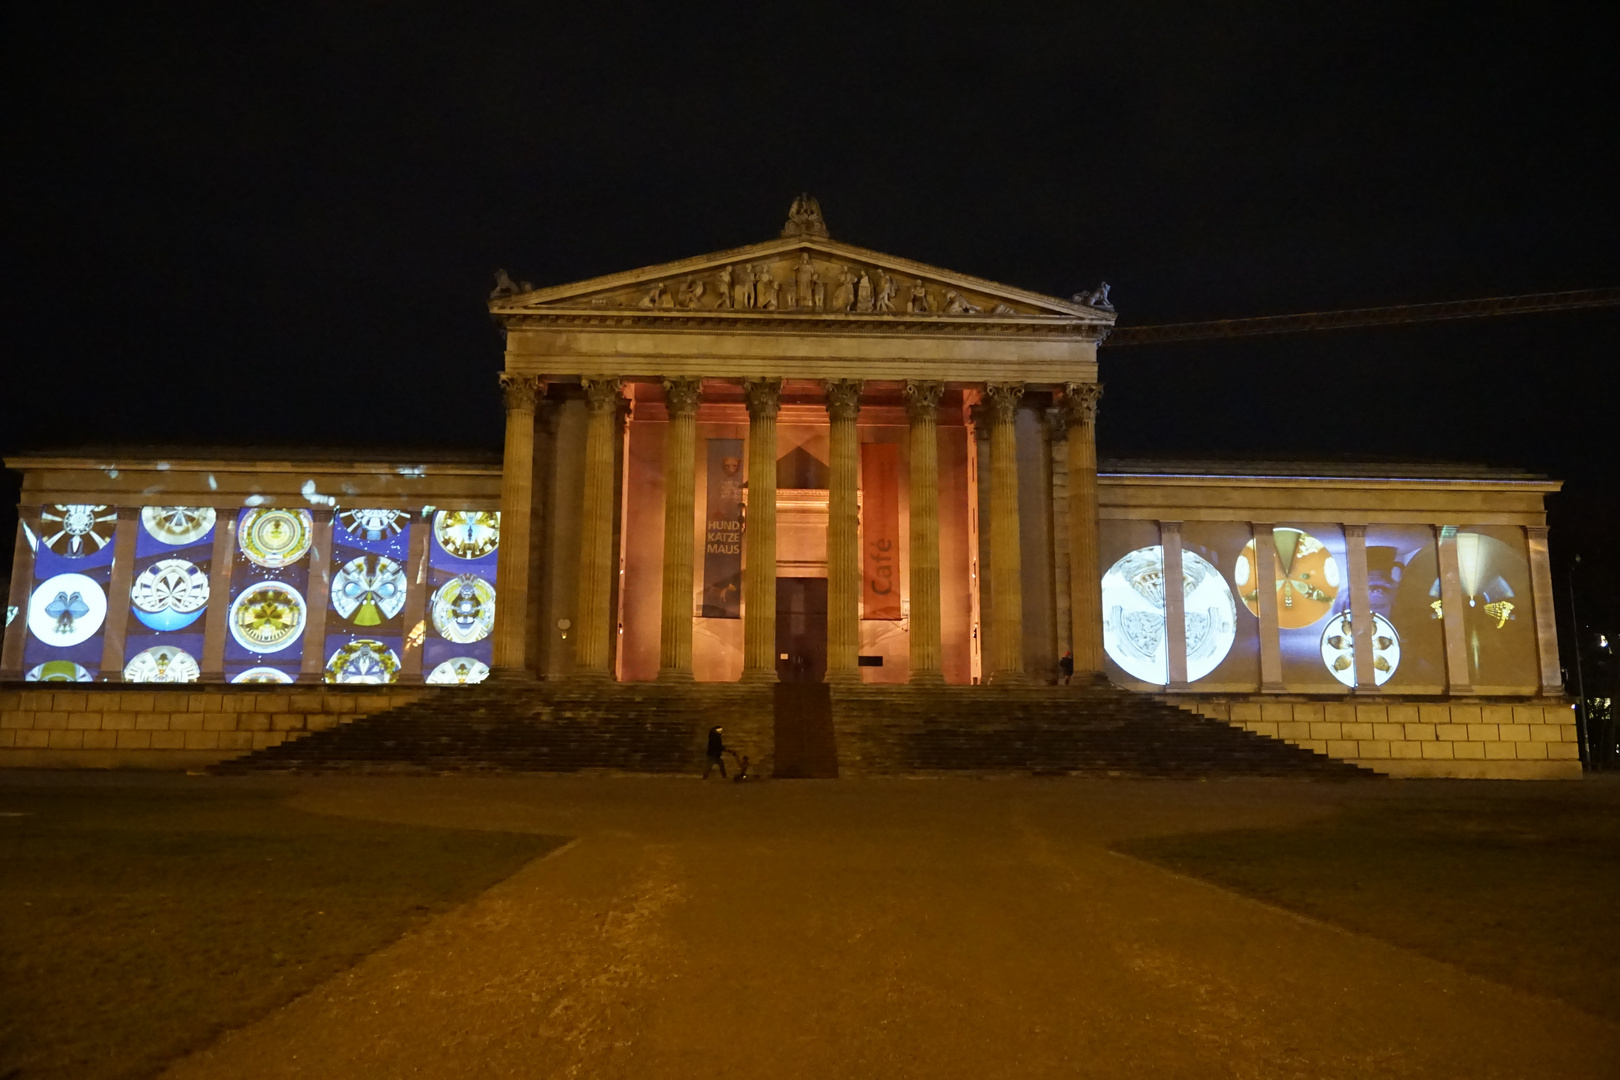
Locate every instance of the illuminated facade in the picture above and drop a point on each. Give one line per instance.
(796, 460)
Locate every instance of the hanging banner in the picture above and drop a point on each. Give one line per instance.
(723, 531)
(880, 529)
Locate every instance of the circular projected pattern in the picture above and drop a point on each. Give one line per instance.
(464, 609)
(1307, 584)
(369, 589)
(373, 524)
(267, 617)
(273, 537)
(58, 671)
(177, 525)
(170, 594)
(161, 664)
(66, 610)
(77, 529)
(363, 661)
(467, 534)
(460, 671)
(263, 675)
(1134, 618)
(1339, 649)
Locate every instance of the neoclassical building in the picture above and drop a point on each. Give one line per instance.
(805, 461)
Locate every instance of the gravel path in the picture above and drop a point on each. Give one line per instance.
(939, 929)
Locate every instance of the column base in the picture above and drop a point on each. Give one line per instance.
(591, 677)
(510, 677)
(679, 676)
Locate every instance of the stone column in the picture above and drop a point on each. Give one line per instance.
(681, 397)
(1006, 561)
(597, 558)
(922, 406)
(843, 535)
(984, 593)
(1458, 679)
(1079, 407)
(1541, 594)
(414, 613)
(118, 600)
(313, 667)
(1361, 624)
(216, 623)
(1266, 570)
(22, 587)
(1175, 606)
(764, 398)
(517, 494)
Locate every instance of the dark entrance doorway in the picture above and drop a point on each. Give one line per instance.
(804, 733)
(801, 629)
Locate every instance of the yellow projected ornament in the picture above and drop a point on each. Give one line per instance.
(363, 660)
(177, 525)
(467, 534)
(1501, 611)
(1307, 578)
(162, 664)
(267, 617)
(274, 537)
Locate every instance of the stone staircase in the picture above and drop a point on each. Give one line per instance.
(565, 727)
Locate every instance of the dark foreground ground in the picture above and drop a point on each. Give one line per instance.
(435, 927)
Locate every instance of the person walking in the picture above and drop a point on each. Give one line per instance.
(1066, 667)
(715, 752)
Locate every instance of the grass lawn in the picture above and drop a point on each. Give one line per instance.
(1519, 889)
(139, 920)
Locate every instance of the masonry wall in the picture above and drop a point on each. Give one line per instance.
(1464, 739)
(188, 728)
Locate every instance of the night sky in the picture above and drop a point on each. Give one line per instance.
(279, 224)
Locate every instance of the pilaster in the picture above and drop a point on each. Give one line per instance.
(1541, 593)
(22, 585)
(1458, 679)
(1175, 605)
(1361, 623)
(123, 577)
(1266, 573)
(922, 407)
(1006, 561)
(216, 623)
(764, 398)
(681, 398)
(843, 533)
(313, 667)
(518, 393)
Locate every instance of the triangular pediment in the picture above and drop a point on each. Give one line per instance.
(799, 276)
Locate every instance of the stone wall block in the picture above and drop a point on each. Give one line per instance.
(50, 720)
(1387, 732)
(219, 721)
(306, 702)
(1437, 751)
(1314, 714)
(16, 719)
(168, 740)
(84, 721)
(1369, 714)
(1244, 711)
(1325, 731)
(137, 701)
(36, 700)
(1372, 748)
(100, 740)
(271, 703)
(1315, 746)
(1563, 751)
(202, 740)
(1529, 714)
(287, 722)
(1276, 712)
(151, 721)
(1451, 732)
(1293, 731)
(1493, 714)
(1270, 731)
(118, 721)
(253, 722)
(1484, 733)
(1530, 751)
(1470, 714)
(262, 739)
(10, 700)
(1419, 732)
(8, 737)
(31, 738)
(1433, 714)
(202, 703)
(133, 740)
(186, 721)
(1342, 748)
(1544, 733)
(62, 739)
(1357, 731)
(70, 701)
(1470, 750)
(236, 740)
(1514, 732)
(1499, 751)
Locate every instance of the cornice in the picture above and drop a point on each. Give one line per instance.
(884, 324)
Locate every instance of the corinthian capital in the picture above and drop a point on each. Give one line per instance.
(843, 398)
(681, 396)
(519, 392)
(1003, 399)
(764, 397)
(1079, 403)
(601, 394)
(922, 399)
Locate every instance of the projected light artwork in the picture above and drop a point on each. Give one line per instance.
(177, 526)
(267, 617)
(1339, 649)
(460, 671)
(1134, 633)
(76, 530)
(58, 671)
(263, 675)
(275, 537)
(170, 594)
(66, 610)
(1307, 579)
(363, 660)
(162, 664)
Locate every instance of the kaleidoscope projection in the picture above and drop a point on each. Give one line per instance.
(272, 537)
(170, 594)
(58, 671)
(467, 534)
(267, 617)
(1134, 634)
(263, 675)
(374, 525)
(369, 589)
(363, 660)
(459, 671)
(67, 610)
(464, 609)
(161, 664)
(75, 530)
(177, 526)
(1339, 649)
(1307, 582)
